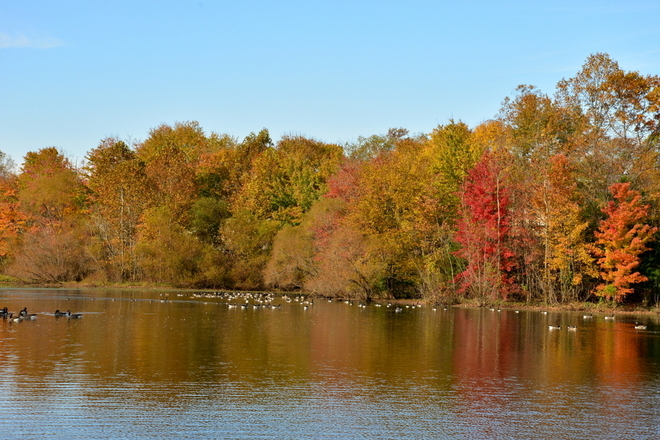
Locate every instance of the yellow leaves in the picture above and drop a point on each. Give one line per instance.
(188, 137)
(50, 189)
(283, 183)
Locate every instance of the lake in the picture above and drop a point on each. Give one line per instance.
(175, 364)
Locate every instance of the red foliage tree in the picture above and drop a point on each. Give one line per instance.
(620, 239)
(483, 229)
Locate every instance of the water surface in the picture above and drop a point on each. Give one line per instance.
(156, 364)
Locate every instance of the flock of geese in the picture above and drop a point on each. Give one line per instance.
(586, 317)
(23, 315)
(589, 317)
(257, 300)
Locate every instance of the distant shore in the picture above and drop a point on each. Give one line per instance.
(591, 307)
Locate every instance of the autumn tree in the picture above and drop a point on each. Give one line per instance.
(280, 188)
(248, 242)
(285, 181)
(561, 226)
(394, 189)
(222, 172)
(483, 230)
(13, 221)
(54, 201)
(166, 253)
(620, 240)
(342, 261)
(118, 183)
(616, 113)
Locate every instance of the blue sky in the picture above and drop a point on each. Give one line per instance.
(75, 72)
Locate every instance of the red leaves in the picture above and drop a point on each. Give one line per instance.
(483, 230)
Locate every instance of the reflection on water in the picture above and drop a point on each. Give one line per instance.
(141, 364)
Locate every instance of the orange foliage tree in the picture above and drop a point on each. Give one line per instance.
(12, 220)
(620, 239)
(53, 198)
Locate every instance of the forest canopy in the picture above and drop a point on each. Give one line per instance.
(554, 199)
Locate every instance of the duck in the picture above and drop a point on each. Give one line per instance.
(19, 318)
(587, 316)
(73, 315)
(572, 327)
(609, 318)
(554, 327)
(639, 326)
(398, 309)
(58, 313)
(25, 315)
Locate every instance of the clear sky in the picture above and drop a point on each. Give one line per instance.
(75, 72)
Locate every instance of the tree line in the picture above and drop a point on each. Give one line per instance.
(555, 199)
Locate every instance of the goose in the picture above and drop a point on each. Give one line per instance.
(639, 326)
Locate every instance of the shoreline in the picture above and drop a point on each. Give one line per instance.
(591, 307)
